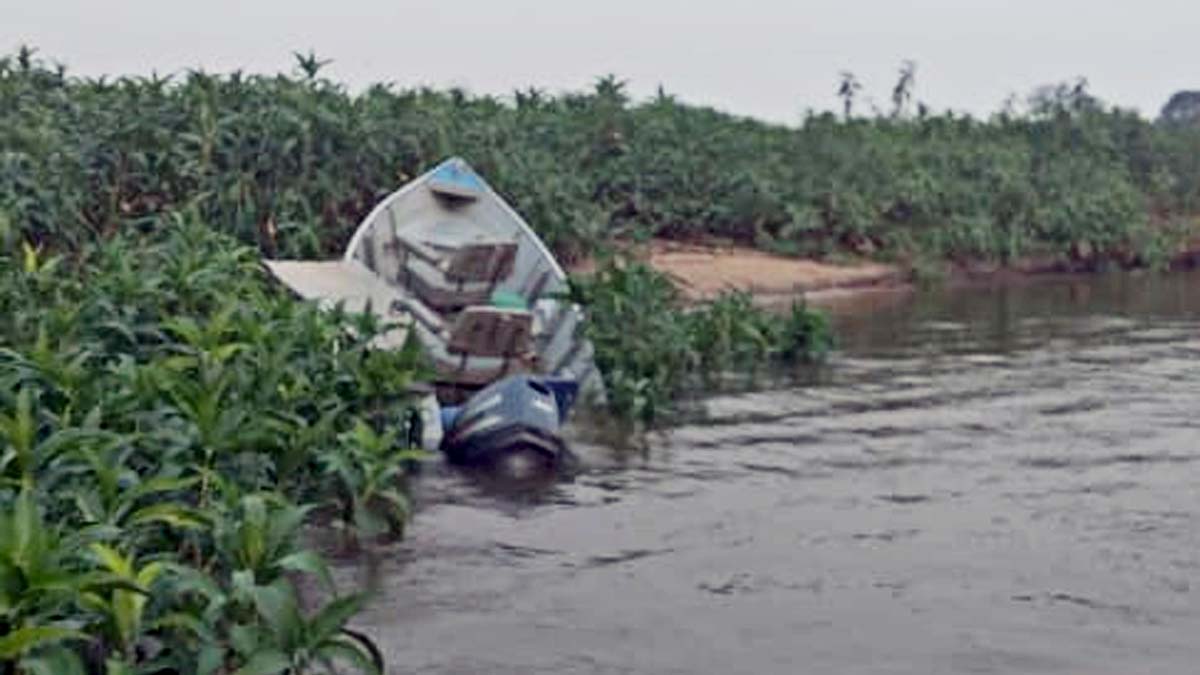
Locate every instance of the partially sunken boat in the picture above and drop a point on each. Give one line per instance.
(449, 261)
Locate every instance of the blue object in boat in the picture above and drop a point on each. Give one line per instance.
(454, 178)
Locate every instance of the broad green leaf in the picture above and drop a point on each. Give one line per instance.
(117, 667)
(185, 622)
(333, 616)
(277, 607)
(114, 561)
(174, 515)
(161, 484)
(188, 579)
(149, 573)
(97, 582)
(308, 562)
(54, 661)
(30, 259)
(27, 526)
(211, 659)
(265, 663)
(20, 641)
(245, 640)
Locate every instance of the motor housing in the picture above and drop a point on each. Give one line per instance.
(519, 415)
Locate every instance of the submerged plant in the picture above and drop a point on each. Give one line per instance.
(369, 468)
(651, 347)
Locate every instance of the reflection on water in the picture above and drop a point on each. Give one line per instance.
(992, 480)
(1005, 317)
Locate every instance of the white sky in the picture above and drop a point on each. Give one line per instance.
(768, 58)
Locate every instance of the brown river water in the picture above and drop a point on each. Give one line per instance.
(984, 480)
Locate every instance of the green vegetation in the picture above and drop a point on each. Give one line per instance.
(650, 348)
(168, 422)
(292, 163)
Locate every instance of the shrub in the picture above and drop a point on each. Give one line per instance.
(166, 422)
(651, 348)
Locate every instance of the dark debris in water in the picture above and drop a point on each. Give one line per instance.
(905, 499)
(624, 557)
(1081, 406)
(1062, 598)
(886, 535)
(524, 551)
(1063, 462)
(738, 583)
(770, 468)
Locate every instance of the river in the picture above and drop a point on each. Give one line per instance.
(984, 480)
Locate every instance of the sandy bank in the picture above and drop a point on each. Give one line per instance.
(703, 272)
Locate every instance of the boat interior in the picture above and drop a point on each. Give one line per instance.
(446, 259)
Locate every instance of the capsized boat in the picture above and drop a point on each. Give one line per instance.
(446, 259)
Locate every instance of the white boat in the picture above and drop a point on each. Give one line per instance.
(447, 259)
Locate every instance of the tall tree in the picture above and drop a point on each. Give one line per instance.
(902, 92)
(1182, 108)
(847, 91)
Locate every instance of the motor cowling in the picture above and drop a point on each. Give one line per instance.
(517, 418)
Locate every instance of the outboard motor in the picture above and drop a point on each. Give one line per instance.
(514, 422)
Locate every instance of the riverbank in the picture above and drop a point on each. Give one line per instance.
(703, 271)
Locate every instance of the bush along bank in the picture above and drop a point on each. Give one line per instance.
(168, 423)
(652, 349)
(292, 163)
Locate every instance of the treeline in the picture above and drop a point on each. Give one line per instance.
(291, 163)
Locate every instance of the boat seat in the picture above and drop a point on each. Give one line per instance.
(449, 276)
(478, 345)
(482, 262)
(492, 331)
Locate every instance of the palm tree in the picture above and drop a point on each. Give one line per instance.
(847, 90)
(902, 92)
(309, 64)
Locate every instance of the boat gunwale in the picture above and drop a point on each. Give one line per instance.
(423, 181)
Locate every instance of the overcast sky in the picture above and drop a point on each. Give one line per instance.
(768, 58)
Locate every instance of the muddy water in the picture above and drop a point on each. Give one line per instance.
(989, 480)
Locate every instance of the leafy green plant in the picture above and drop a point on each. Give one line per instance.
(121, 609)
(369, 469)
(651, 347)
(36, 581)
(246, 610)
(164, 415)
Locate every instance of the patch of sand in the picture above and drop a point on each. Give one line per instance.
(703, 272)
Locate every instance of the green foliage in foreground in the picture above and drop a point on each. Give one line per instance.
(168, 423)
(651, 348)
(291, 164)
